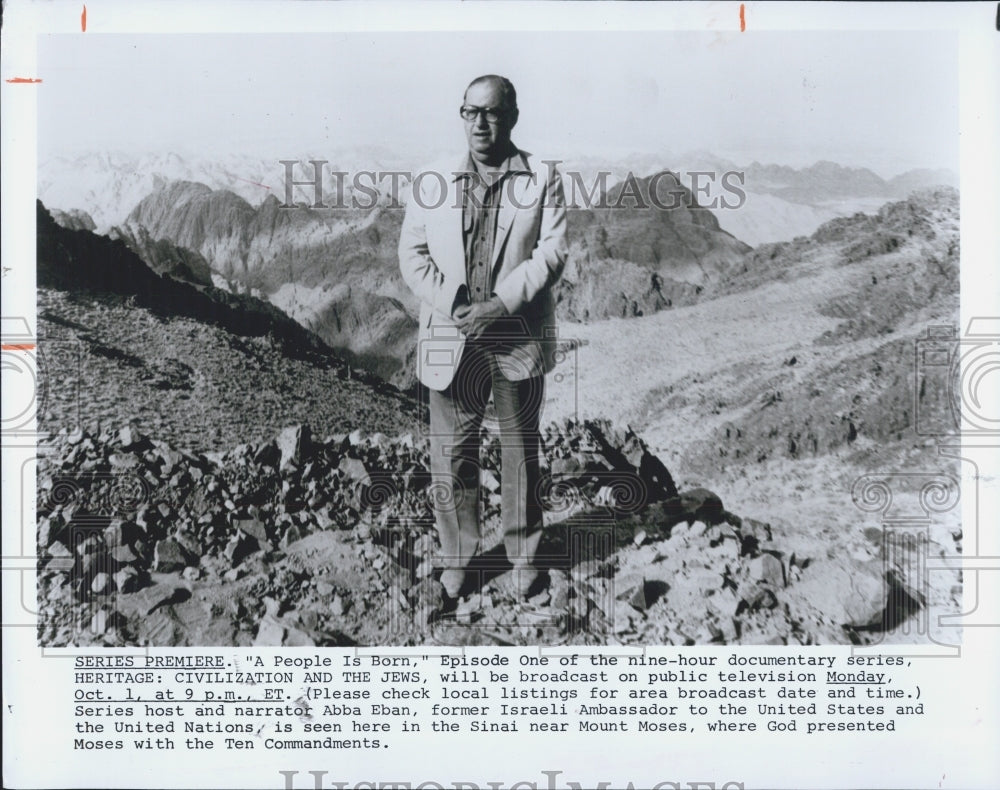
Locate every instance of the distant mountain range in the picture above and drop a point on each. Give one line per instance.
(781, 202)
(109, 185)
(336, 271)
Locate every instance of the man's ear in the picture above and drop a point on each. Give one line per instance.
(513, 117)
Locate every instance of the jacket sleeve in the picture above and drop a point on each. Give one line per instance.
(420, 273)
(545, 266)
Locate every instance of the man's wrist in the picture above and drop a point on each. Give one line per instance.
(499, 305)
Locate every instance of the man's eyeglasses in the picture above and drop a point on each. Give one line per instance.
(470, 112)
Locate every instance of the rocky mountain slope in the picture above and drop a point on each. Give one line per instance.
(655, 222)
(809, 343)
(793, 378)
(174, 515)
(186, 511)
(376, 332)
(199, 364)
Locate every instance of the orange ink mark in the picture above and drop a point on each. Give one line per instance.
(743, 17)
(83, 19)
(18, 346)
(24, 80)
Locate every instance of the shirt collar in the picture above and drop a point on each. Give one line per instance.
(515, 163)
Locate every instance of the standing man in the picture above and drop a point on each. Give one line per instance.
(482, 244)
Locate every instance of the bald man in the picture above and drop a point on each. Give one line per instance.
(482, 244)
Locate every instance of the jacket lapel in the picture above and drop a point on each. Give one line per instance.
(449, 252)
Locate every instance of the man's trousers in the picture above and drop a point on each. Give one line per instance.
(456, 415)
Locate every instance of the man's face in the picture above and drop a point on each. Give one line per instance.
(488, 139)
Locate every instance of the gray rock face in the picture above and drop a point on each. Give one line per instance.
(170, 556)
(294, 444)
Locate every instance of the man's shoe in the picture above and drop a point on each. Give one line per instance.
(433, 602)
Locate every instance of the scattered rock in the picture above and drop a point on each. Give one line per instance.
(127, 580)
(100, 621)
(124, 554)
(294, 637)
(489, 481)
(268, 453)
(294, 444)
(874, 534)
(355, 470)
(337, 606)
(57, 549)
(102, 584)
(702, 505)
(360, 557)
(769, 569)
(292, 534)
(60, 565)
(169, 556)
(756, 597)
(468, 608)
(428, 597)
(864, 600)
(147, 600)
(270, 633)
(129, 436)
(567, 467)
(239, 547)
(252, 527)
(119, 533)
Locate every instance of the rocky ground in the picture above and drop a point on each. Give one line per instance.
(193, 384)
(301, 540)
(211, 481)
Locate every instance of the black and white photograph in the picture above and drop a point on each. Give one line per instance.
(694, 268)
(498, 338)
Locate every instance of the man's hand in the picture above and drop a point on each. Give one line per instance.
(474, 319)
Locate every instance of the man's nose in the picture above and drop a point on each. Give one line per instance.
(481, 121)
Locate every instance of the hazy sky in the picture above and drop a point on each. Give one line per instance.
(881, 99)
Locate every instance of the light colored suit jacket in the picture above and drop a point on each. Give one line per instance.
(528, 257)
